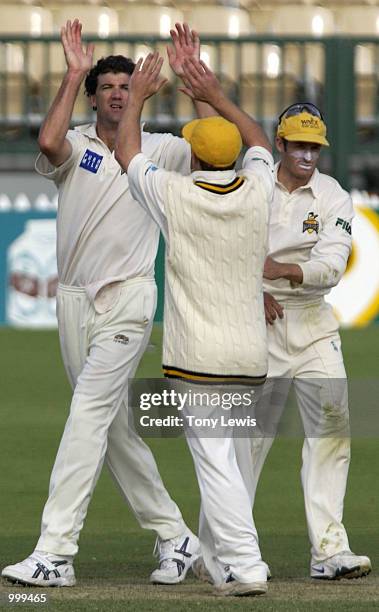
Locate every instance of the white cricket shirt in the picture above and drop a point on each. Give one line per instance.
(215, 225)
(310, 227)
(103, 235)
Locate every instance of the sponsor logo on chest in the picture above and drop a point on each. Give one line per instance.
(91, 161)
(311, 224)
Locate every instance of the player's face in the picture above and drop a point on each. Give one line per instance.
(111, 97)
(298, 159)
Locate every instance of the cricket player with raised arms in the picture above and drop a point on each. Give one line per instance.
(106, 300)
(215, 226)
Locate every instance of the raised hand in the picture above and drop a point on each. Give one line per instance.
(185, 44)
(146, 79)
(201, 83)
(77, 59)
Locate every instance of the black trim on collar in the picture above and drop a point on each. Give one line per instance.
(221, 189)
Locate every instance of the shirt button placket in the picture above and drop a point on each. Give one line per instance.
(285, 209)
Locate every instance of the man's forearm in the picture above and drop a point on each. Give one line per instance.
(128, 140)
(54, 128)
(202, 84)
(203, 109)
(275, 269)
(291, 272)
(251, 132)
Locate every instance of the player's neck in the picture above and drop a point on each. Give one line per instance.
(291, 182)
(107, 134)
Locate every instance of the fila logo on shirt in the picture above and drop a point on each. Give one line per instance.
(311, 224)
(344, 224)
(91, 161)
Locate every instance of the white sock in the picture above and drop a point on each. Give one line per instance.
(56, 557)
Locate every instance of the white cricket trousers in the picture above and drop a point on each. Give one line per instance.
(100, 352)
(227, 534)
(305, 347)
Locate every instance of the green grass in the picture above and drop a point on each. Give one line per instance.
(115, 558)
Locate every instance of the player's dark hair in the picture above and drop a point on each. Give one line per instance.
(209, 167)
(112, 63)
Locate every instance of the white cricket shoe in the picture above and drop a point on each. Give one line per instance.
(41, 569)
(234, 588)
(201, 572)
(342, 565)
(175, 558)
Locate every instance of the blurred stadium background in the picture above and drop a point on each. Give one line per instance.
(268, 55)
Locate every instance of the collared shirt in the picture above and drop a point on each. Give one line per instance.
(310, 227)
(147, 182)
(215, 226)
(103, 234)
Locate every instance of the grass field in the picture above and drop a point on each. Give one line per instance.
(115, 557)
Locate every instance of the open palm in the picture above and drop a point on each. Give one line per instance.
(146, 79)
(77, 58)
(185, 44)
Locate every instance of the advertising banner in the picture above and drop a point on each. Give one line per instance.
(28, 272)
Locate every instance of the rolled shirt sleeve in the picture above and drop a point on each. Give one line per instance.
(168, 152)
(259, 162)
(176, 155)
(329, 256)
(147, 185)
(57, 173)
